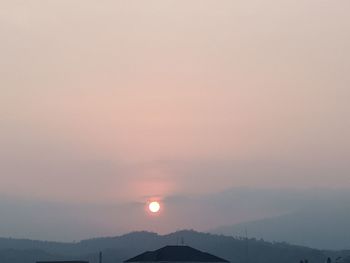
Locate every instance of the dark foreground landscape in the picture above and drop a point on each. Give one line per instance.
(118, 249)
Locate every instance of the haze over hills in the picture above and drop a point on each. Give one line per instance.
(67, 221)
(120, 248)
(320, 226)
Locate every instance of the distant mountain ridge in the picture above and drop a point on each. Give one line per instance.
(322, 227)
(117, 249)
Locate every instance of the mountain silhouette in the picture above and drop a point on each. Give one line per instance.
(322, 227)
(119, 248)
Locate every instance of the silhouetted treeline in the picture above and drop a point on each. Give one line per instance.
(117, 249)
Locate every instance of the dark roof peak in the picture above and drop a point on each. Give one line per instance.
(173, 253)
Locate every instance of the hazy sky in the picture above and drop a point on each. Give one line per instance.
(114, 102)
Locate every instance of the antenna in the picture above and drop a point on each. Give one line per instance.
(246, 245)
(182, 241)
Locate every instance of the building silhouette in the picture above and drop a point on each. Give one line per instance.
(176, 254)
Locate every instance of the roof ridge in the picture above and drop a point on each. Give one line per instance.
(176, 253)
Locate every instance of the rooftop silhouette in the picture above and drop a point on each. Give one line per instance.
(176, 254)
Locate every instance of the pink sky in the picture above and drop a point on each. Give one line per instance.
(120, 101)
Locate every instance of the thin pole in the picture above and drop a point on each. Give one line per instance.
(246, 245)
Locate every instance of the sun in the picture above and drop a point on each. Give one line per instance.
(154, 207)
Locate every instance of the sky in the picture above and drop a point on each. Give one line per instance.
(110, 104)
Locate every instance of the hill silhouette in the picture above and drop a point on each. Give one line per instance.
(322, 227)
(119, 248)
